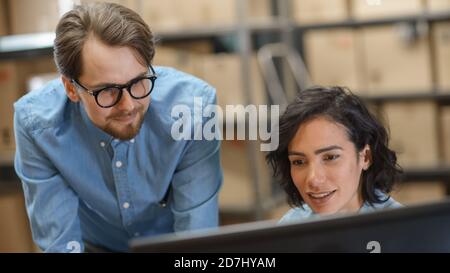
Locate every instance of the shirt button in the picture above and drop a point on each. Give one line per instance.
(118, 164)
(132, 141)
(126, 205)
(103, 144)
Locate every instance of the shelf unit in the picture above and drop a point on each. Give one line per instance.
(28, 46)
(23, 46)
(440, 97)
(41, 44)
(352, 23)
(429, 174)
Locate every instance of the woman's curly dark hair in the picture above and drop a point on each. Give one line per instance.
(345, 108)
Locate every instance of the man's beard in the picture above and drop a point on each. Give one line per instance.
(129, 131)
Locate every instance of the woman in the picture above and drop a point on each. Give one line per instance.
(333, 156)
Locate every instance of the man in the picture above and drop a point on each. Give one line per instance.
(95, 152)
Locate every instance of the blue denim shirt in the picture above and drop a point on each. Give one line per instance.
(75, 188)
(305, 212)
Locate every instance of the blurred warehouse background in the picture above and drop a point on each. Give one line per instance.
(393, 53)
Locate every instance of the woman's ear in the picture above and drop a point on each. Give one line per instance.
(366, 155)
(70, 89)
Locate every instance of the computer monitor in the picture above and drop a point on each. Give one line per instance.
(420, 228)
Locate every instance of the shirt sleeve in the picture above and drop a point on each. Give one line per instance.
(196, 182)
(52, 206)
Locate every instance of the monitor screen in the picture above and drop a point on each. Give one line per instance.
(419, 228)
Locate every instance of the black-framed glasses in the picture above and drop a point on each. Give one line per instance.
(110, 95)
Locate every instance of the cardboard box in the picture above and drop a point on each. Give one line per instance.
(29, 16)
(445, 133)
(319, 11)
(395, 65)
(29, 67)
(260, 10)
(160, 15)
(173, 15)
(197, 46)
(333, 57)
(373, 9)
(176, 15)
(15, 234)
(132, 4)
(182, 60)
(438, 5)
(191, 14)
(413, 193)
(223, 71)
(238, 190)
(3, 18)
(441, 42)
(413, 133)
(9, 89)
(219, 12)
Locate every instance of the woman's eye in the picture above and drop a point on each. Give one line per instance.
(297, 162)
(331, 157)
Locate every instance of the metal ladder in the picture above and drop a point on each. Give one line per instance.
(266, 59)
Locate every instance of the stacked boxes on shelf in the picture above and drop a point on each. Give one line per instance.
(173, 15)
(441, 42)
(15, 235)
(332, 58)
(395, 64)
(393, 59)
(375, 9)
(374, 60)
(238, 191)
(437, 5)
(8, 87)
(14, 82)
(3, 18)
(445, 135)
(414, 132)
(28, 16)
(419, 192)
(223, 71)
(319, 11)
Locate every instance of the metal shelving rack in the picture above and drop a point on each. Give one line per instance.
(28, 46)
(25, 46)
(351, 23)
(440, 97)
(41, 44)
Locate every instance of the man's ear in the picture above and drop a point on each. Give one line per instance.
(70, 89)
(366, 155)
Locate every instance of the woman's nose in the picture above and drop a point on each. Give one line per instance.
(316, 176)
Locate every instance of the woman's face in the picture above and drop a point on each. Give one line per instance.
(326, 168)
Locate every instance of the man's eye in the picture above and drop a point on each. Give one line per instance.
(111, 89)
(331, 157)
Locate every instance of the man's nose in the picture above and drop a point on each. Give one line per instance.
(126, 102)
